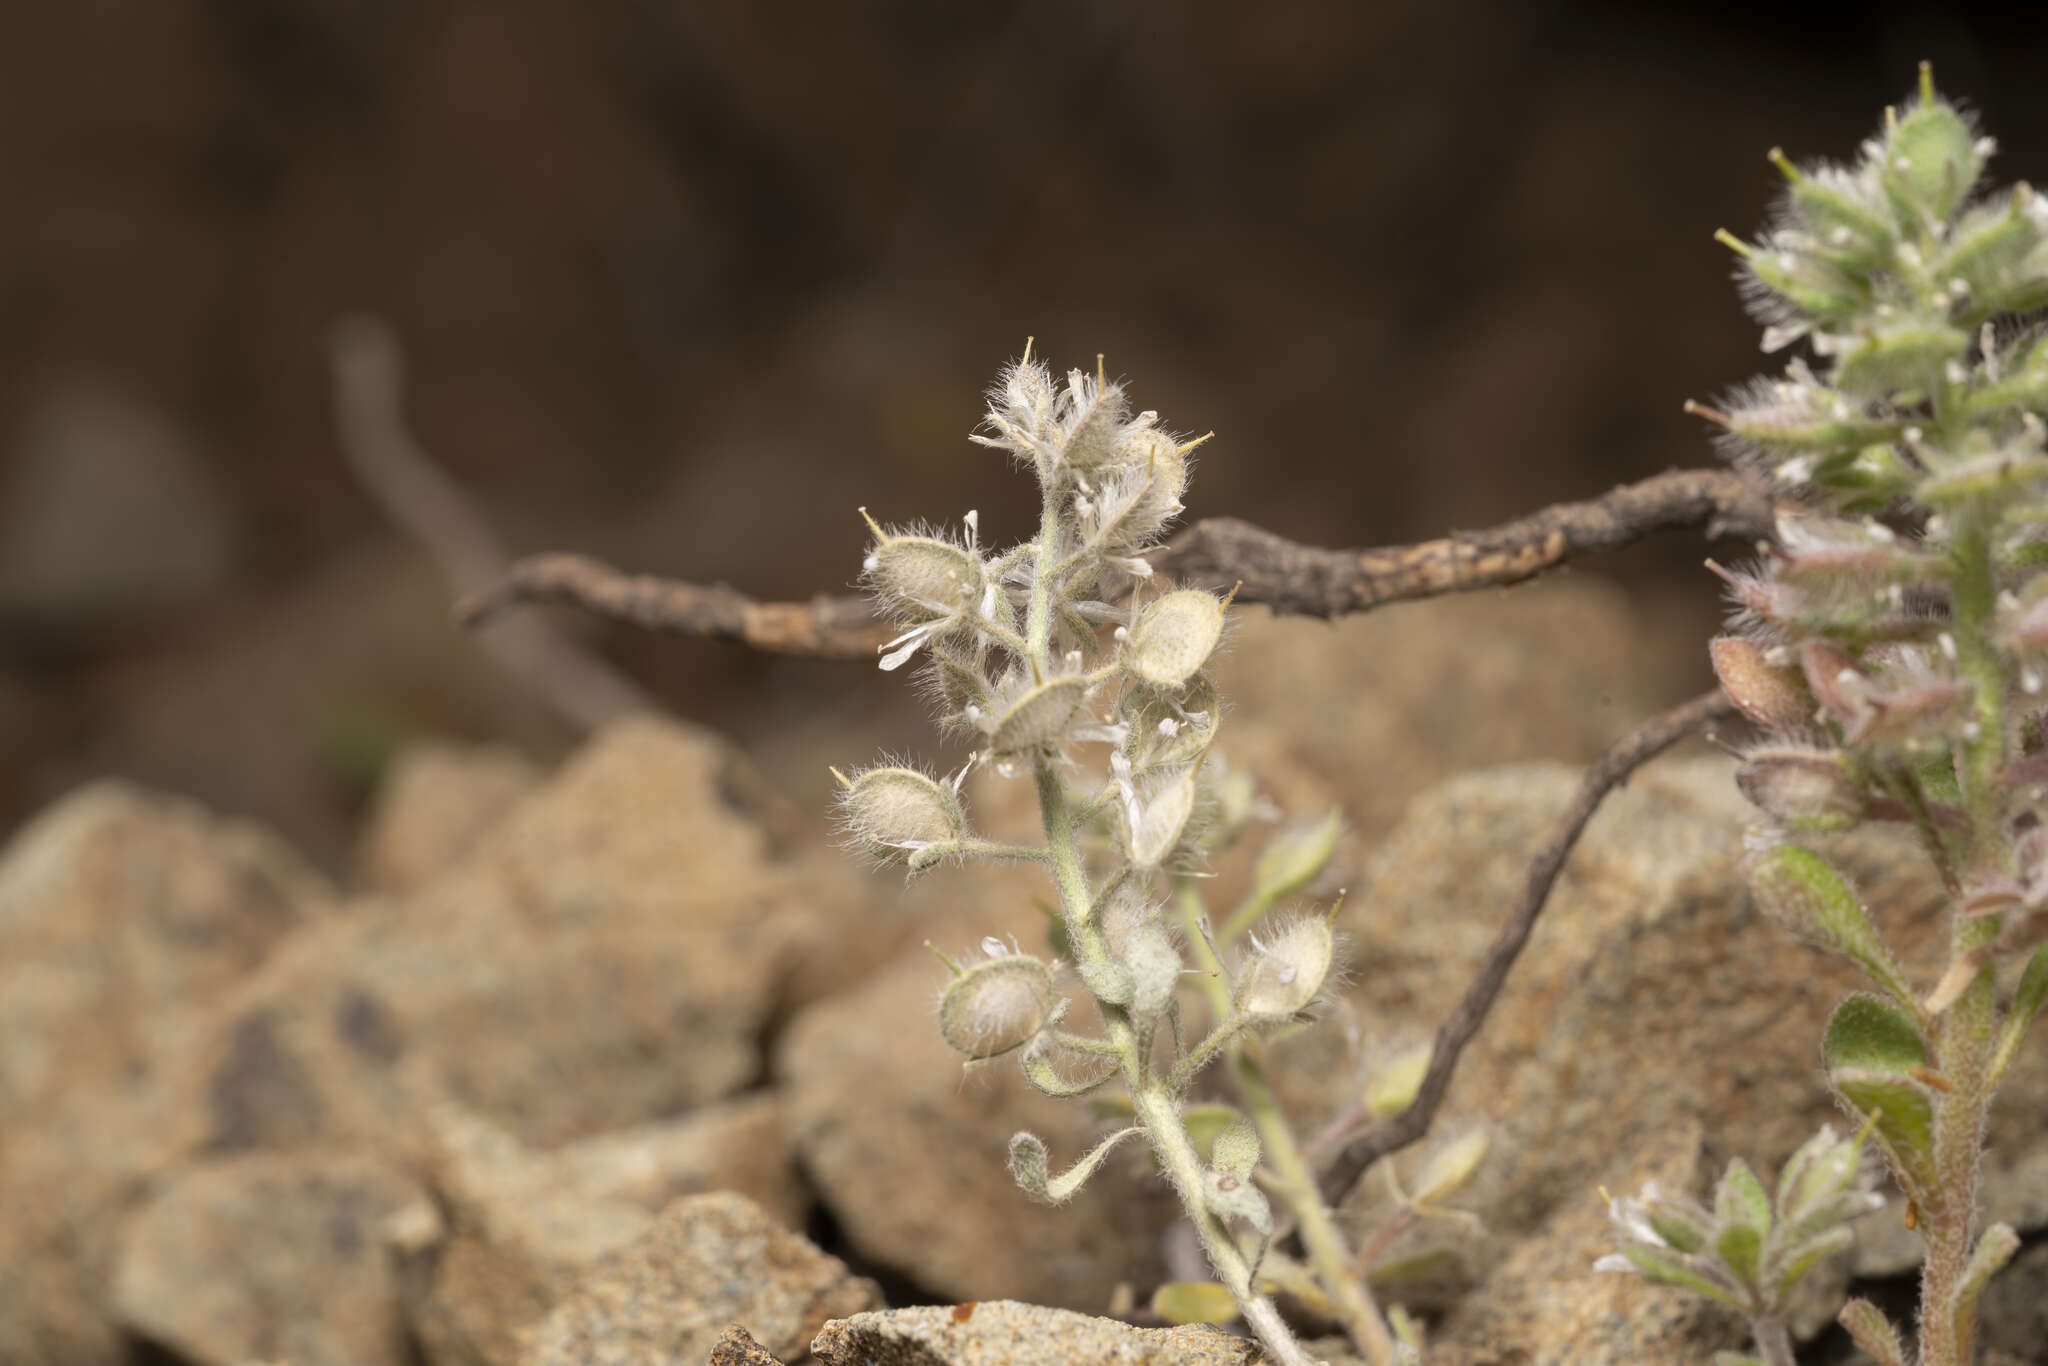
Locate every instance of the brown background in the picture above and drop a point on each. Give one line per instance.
(684, 284)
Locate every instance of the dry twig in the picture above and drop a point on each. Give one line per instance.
(1609, 771)
(436, 513)
(1285, 576)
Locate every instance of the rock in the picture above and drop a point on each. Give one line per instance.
(122, 915)
(736, 1347)
(1651, 996)
(1545, 1303)
(436, 801)
(1007, 1333)
(121, 911)
(525, 1224)
(279, 1255)
(608, 956)
(1372, 711)
(710, 1260)
(110, 509)
(910, 1155)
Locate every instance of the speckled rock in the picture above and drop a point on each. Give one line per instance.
(279, 1255)
(710, 1260)
(1651, 996)
(524, 1224)
(121, 909)
(1007, 1333)
(1544, 1305)
(123, 913)
(436, 801)
(1371, 711)
(910, 1153)
(737, 1347)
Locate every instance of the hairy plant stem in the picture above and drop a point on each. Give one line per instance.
(1153, 1101)
(1293, 1179)
(1773, 1341)
(1963, 1041)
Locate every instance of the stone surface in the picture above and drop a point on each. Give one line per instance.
(435, 802)
(1007, 1333)
(737, 1347)
(709, 1260)
(1544, 1305)
(910, 1153)
(1373, 711)
(269, 1255)
(1651, 996)
(525, 1224)
(120, 910)
(122, 915)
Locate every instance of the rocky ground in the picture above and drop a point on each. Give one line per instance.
(620, 1063)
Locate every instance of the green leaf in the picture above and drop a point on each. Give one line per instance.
(1185, 1302)
(1905, 1119)
(1869, 1033)
(1028, 1166)
(1653, 1265)
(1873, 1332)
(1992, 1252)
(1802, 892)
(1740, 1247)
(1742, 1199)
(1235, 1148)
(1294, 858)
(1800, 1259)
(2027, 1000)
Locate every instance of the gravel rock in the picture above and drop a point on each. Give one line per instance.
(437, 800)
(1007, 1333)
(269, 1255)
(709, 1261)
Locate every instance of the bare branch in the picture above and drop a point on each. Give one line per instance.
(1328, 583)
(1607, 772)
(440, 517)
(837, 627)
(1277, 572)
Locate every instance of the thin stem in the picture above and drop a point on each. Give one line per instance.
(995, 849)
(1153, 1104)
(1293, 1179)
(1773, 1341)
(1963, 1040)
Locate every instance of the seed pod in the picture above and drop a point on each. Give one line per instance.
(922, 578)
(1153, 474)
(996, 1005)
(1175, 636)
(1810, 791)
(1284, 975)
(895, 812)
(1039, 716)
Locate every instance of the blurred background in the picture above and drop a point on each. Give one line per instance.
(682, 285)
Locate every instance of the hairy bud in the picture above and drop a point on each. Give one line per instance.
(1175, 636)
(1811, 791)
(893, 813)
(1284, 973)
(996, 1005)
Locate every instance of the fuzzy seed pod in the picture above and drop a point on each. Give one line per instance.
(922, 578)
(996, 1005)
(1810, 791)
(893, 813)
(1039, 716)
(1152, 477)
(1284, 975)
(1175, 636)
